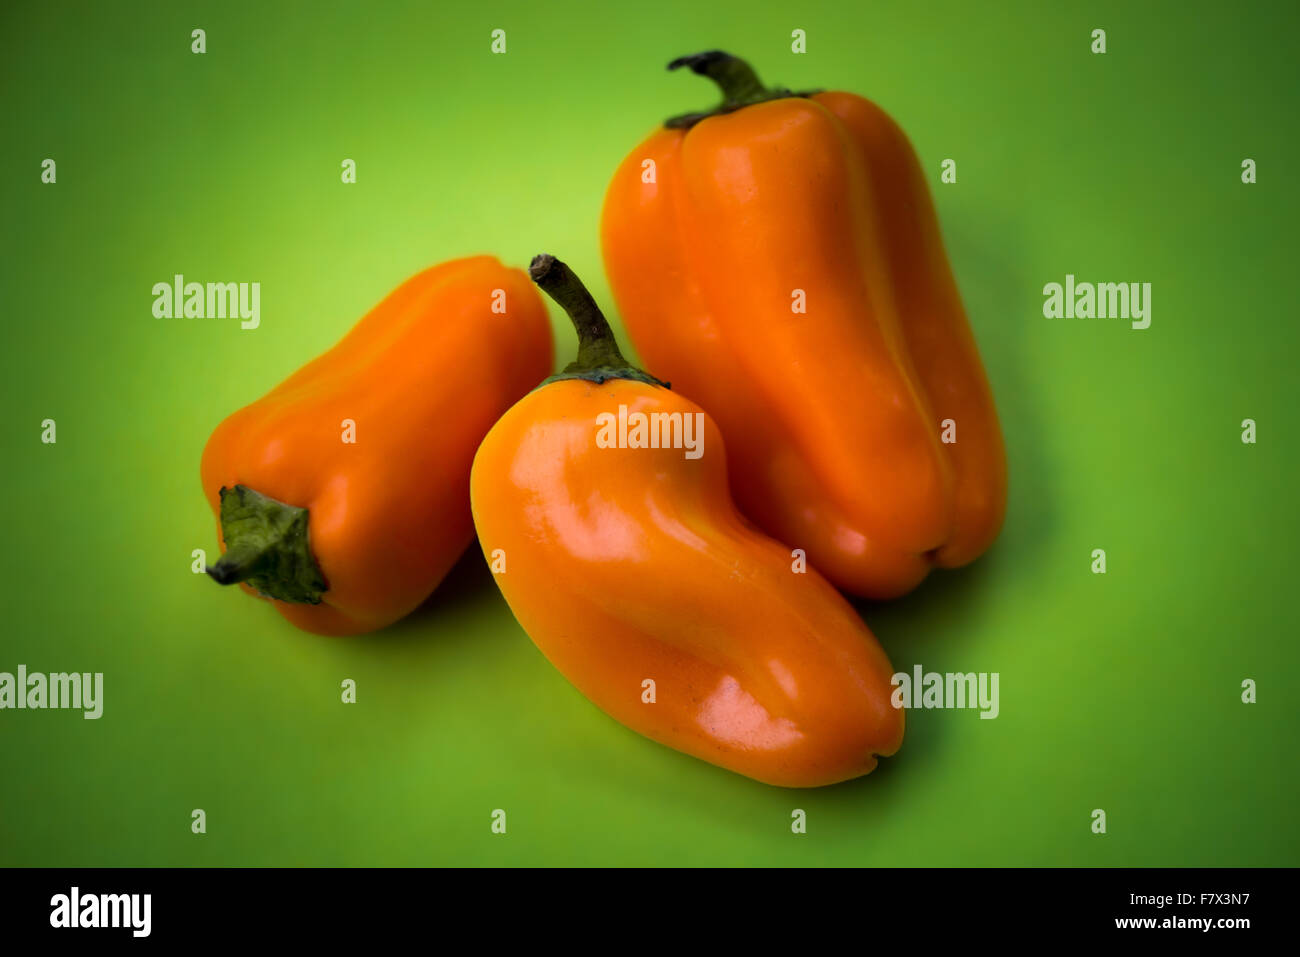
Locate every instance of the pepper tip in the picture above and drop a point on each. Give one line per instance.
(698, 62)
(540, 266)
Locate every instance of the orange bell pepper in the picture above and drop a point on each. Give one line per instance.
(780, 261)
(347, 536)
(626, 562)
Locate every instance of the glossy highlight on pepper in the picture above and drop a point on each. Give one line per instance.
(342, 495)
(779, 259)
(632, 571)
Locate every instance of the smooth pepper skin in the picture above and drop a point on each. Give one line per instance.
(632, 564)
(422, 376)
(833, 416)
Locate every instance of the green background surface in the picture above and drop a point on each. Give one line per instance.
(1119, 692)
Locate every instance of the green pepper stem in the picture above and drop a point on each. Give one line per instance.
(737, 80)
(267, 545)
(599, 357)
(596, 344)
